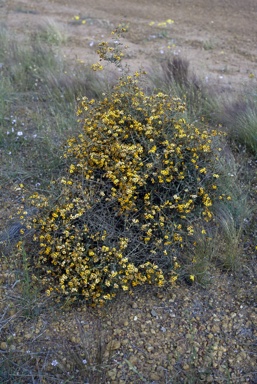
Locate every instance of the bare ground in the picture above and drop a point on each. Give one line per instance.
(218, 37)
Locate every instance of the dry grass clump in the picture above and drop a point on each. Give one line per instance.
(239, 116)
(140, 180)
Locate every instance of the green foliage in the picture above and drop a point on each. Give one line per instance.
(140, 180)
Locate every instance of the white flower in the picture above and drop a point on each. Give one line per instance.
(84, 361)
(19, 133)
(54, 363)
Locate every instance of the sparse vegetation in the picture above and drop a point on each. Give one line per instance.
(175, 78)
(106, 188)
(239, 116)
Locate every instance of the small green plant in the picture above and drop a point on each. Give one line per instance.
(139, 179)
(208, 45)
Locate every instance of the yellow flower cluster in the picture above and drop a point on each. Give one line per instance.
(139, 177)
(110, 53)
(163, 24)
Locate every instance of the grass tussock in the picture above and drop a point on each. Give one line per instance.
(240, 117)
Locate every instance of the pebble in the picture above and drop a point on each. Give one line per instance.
(3, 345)
(154, 313)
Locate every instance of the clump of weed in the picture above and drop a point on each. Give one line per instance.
(140, 180)
(240, 118)
(51, 33)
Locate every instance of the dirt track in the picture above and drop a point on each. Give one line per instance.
(218, 37)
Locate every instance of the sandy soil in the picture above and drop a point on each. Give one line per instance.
(218, 37)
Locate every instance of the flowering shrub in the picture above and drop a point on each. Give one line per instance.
(140, 179)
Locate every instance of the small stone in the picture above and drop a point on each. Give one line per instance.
(154, 313)
(28, 336)
(112, 374)
(134, 305)
(215, 328)
(125, 341)
(3, 345)
(154, 376)
(115, 344)
(133, 359)
(149, 348)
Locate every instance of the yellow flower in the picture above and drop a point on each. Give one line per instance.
(153, 149)
(97, 67)
(173, 279)
(162, 24)
(192, 277)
